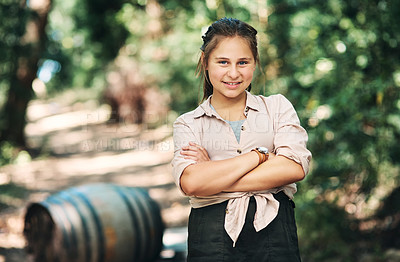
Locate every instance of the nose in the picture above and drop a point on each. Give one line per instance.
(233, 72)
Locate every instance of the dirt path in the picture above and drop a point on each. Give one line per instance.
(81, 149)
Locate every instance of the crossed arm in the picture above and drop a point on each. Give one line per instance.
(237, 174)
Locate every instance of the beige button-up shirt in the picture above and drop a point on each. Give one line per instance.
(270, 122)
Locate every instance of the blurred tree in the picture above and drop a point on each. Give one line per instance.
(84, 37)
(81, 45)
(336, 60)
(22, 42)
(338, 63)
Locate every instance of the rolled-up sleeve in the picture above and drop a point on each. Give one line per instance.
(290, 137)
(182, 134)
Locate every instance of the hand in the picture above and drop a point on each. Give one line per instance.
(195, 152)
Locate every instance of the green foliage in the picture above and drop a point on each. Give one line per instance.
(84, 36)
(98, 19)
(7, 153)
(15, 51)
(336, 60)
(12, 29)
(11, 154)
(11, 195)
(326, 232)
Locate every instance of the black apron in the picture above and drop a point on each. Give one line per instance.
(209, 242)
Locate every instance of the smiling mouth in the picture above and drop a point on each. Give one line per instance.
(232, 83)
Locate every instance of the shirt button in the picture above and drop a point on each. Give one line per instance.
(227, 211)
(242, 128)
(247, 109)
(239, 151)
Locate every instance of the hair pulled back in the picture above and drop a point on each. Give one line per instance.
(220, 29)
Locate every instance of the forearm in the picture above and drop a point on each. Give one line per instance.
(276, 172)
(212, 177)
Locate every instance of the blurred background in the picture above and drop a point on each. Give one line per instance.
(89, 90)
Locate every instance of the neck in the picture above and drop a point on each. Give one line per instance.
(231, 109)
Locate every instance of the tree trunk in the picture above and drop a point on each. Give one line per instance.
(20, 90)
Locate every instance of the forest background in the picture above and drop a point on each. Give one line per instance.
(337, 61)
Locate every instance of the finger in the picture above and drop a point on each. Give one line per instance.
(195, 151)
(195, 155)
(188, 148)
(189, 153)
(196, 145)
(192, 144)
(194, 148)
(203, 150)
(191, 158)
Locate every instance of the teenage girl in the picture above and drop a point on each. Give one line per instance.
(237, 156)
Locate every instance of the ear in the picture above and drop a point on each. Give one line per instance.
(255, 66)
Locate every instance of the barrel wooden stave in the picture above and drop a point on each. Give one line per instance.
(97, 223)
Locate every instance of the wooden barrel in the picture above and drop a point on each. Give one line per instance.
(95, 223)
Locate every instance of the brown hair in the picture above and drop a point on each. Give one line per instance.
(225, 27)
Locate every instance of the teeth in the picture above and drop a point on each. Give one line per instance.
(233, 83)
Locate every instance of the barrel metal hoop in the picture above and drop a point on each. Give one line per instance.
(53, 204)
(99, 226)
(135, 226)
(88, 248)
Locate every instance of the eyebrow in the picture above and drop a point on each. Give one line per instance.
(225, 58)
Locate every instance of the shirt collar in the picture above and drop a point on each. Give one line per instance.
(205, 107)
(252, 102)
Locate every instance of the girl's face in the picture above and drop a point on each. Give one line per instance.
(230, 68)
